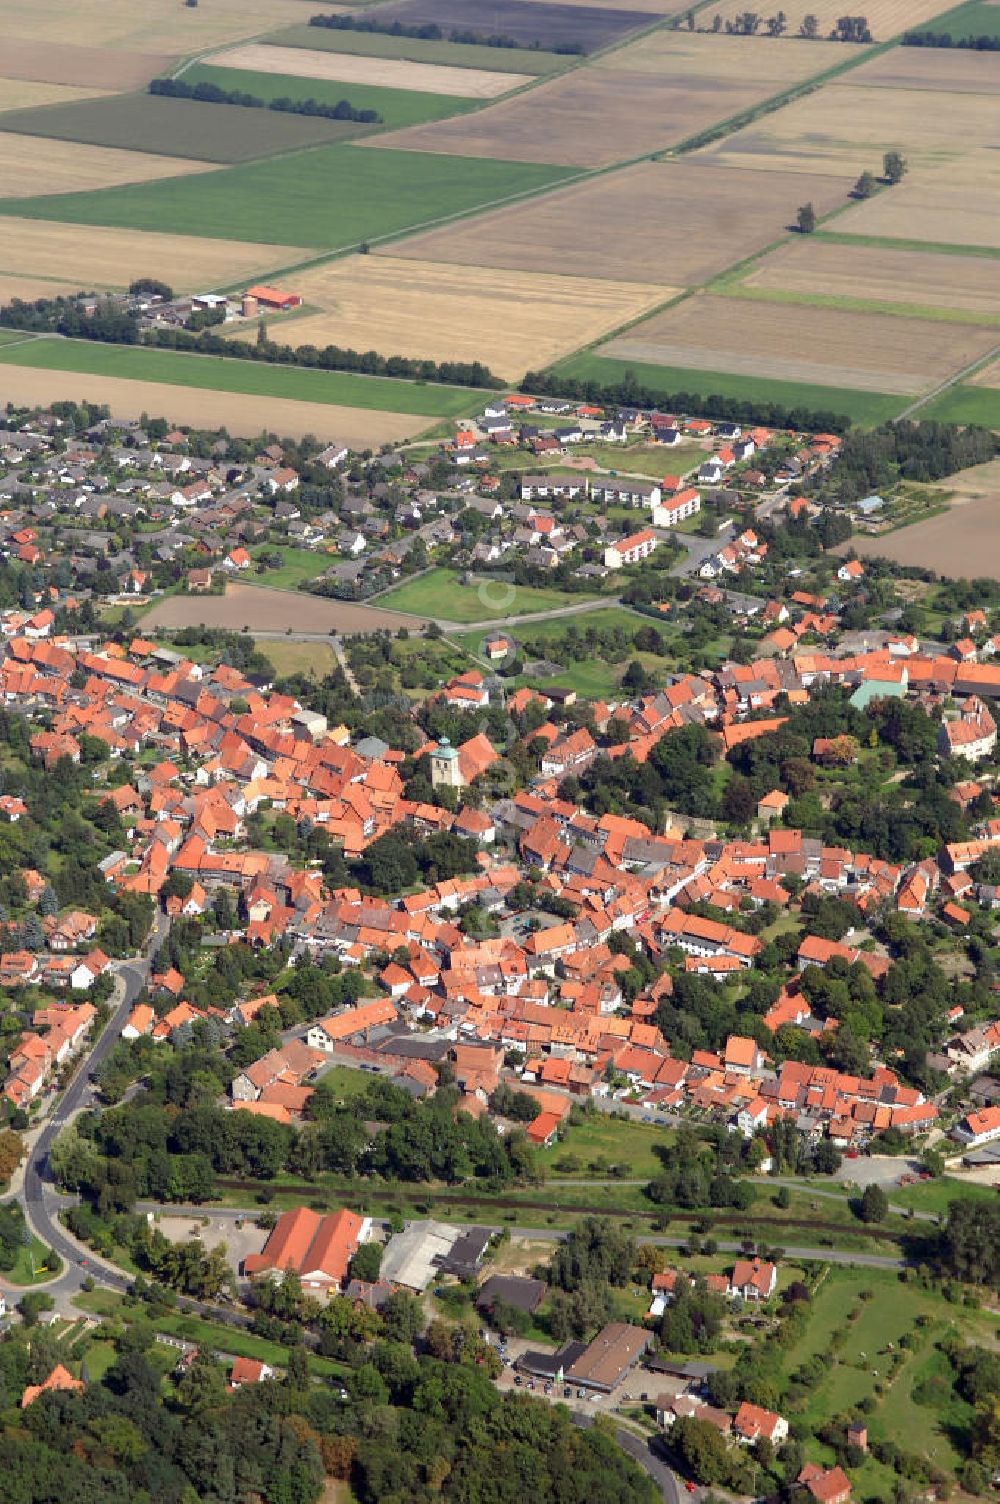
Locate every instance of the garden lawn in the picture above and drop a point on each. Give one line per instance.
(298, 657)
(439, 594)
(332, 197)
(30, 1267)
(249, 378)
(298, 565)
(603, 619)
(346, 1082)
(398, 107)
(239, 1343)
(669, 381)
(628, 1144)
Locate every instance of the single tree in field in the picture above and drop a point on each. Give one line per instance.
(717, 23)
(806, 219)
(776, 24)
(865, 186)
(874, 1204)
(893, 167)
(809, 28)
(690, 20)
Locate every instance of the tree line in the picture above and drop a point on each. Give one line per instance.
(206, 93)
(331, 358)
(629, 392)
(62, 315)
(429, 31)
(987, 43)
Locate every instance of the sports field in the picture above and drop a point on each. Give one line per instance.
(866, 408)
(805, 266)
(676, 222)
(514, 323)
(445, 54)
(331, 197)
(242, 377)
(358, 428)
(439, 593)
(350, 68)
(92, 256)
(397, 107)
(820, 346)
(33, 164)
(186, 128)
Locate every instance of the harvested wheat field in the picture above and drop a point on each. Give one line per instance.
(880, 274)
(358, 428)
(86, 67)
(95, 256)
(886, 18)
(957, 70)
(23, 94)
(384, 72)
(513, 322)
(668, 224)
(846, 127)
(264, 610)
(821, 346)
(691, 56)
(167, 26)
(953, 204)
(583, 120)
(27, 289)
(31, 165)
(961, 543)
(988, 376)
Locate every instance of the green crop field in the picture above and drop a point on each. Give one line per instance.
(976, 19)
(330, 198)
(249, 379)
(966, 404)
(397, 107)
(453, 54)
(438, 593)
(861, 407)
(178, 127)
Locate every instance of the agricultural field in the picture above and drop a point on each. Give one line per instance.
(685, 57)
(686, 221)
(273, 611)
(243, 377)
(358, 427)
(351, 68)
(847, 126)
(978, 18)
(183, 128)
(76, 66)
(821, 346)
(143, 25)
(886, 18)
(330, 198)
(536, 24)
(32, 164)
(411, 49)
(88, 257)
(805, 267)
(954, 203)
(615, 116)
(397, 107)
(860, 406)
(931, 68)
(513, 323)
(24, 94)
(438, 593)
(956, 543)
(27, 288)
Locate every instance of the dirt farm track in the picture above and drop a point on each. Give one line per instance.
(262, 609)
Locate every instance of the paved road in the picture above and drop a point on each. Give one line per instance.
(42, 1200)
(644, 1453)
